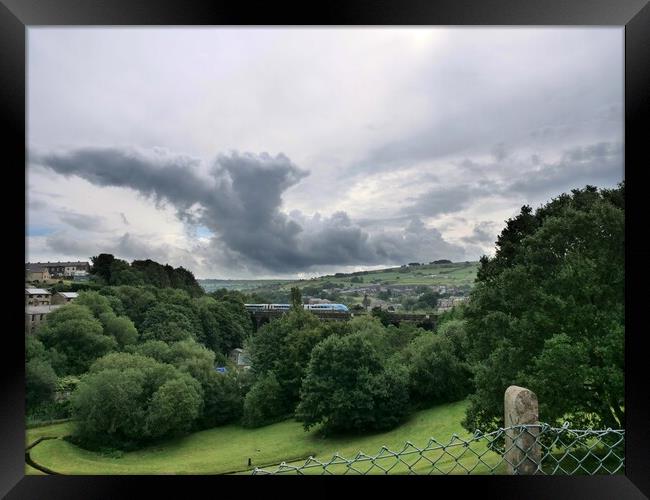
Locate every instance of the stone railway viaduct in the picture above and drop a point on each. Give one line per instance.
(426, 321)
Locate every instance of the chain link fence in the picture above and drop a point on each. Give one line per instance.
(519, 449)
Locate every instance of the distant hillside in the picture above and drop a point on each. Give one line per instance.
(455, 274)
(210, 285)
(458, 274)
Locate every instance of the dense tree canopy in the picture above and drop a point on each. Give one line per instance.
(143, 272)
(169, 323)
(77, 335)
(547, 312)
(283, 347)
(224, 324)
(128, 399)
(347, 387)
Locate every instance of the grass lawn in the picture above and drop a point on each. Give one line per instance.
(29, 470)
(228, 448)
(54, 430)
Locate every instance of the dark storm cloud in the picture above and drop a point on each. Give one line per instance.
(241, 202)
(166, 178)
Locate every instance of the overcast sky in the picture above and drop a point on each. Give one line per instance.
(285, 152)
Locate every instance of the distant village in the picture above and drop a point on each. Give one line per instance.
(39, 301)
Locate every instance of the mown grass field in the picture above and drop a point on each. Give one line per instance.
(227, 449)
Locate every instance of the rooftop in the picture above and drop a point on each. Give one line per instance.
(69, 295)
(36, 291)
(62, 264)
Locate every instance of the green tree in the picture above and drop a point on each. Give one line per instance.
(40, 384)
(121, 273)
(120, 328)
(128, 400)
(348, 388)
(283, 347)
(97, 303)
(101, 266)
(73, 332)
(224, 324)
(436, 374)
(296, 298)
(264, 403)
(174, 407)
(136, 302)
(223, 399)
(552, 298)
(428, 300)
(167, 322)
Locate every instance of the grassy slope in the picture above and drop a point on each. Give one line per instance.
(243, 285)
(227, 449)
(457, 274)
(54, 430)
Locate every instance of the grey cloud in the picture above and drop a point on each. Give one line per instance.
(62, 243)
(83, 222)
(483, 232)
(129, 247)
(36, 204)
(500, 152)
(124, 219)
(445, 200)
(599, 164)
(241, 203)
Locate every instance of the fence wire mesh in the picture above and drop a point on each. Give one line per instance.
(521, 449)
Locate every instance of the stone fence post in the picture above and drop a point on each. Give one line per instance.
(523, 452)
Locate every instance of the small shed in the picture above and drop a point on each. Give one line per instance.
(64, 297)
(239, 357)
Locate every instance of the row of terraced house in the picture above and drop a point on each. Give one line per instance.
(43, 271)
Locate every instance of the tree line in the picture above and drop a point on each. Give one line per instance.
(546, 312)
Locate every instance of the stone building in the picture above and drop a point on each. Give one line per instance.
(64, 297)
(37, 297)
(34, 315)
(37, 273)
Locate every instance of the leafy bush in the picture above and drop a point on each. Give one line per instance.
(74, 333)
(223, 400)
(436, 375)
(40, 382)
(127, 400)
(347, 388)
(264, 403)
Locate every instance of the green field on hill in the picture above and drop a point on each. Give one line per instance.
(227, 449)
(210, 285)
(458, 274)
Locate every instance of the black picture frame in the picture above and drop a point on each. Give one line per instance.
(17, 15)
